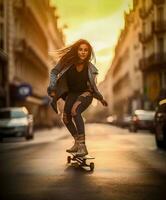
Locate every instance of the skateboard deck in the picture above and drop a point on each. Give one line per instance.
(81, 160)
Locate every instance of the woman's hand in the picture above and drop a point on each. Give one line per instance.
(104, 102)
(52, 93)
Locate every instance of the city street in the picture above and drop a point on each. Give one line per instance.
(128, 166)
(98, 63)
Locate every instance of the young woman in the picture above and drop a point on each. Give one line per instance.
(73, 80)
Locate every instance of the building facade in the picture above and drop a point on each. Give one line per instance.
(137, 75)
(123, 83)
(153, 39)
(125, 75)
(4, 97)
(32, 32)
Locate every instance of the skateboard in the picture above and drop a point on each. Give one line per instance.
(81, 160)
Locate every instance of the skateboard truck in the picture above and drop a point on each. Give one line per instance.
(81, 161)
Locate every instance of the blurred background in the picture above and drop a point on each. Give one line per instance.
(129, 39)
(127, 138)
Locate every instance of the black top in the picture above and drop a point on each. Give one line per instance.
(77, 81)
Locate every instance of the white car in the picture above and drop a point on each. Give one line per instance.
(16, 121)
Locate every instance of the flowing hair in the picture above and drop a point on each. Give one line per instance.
(69, 55)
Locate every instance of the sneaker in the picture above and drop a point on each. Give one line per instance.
(74, 148)
(82, 150)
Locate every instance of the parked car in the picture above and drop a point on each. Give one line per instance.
(142, 119)
(16, 121)
(160, 124)
(124, 121)
(111, 119)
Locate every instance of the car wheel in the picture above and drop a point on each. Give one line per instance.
(1, 139)
(160, 137)
(29, 134)
(152, 130)
(132, 128)
(29, 137)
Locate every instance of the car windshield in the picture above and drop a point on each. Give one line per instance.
(146, 116)
(11, 114)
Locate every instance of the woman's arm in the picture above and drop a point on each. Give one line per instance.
(102, 99)
(53, 80)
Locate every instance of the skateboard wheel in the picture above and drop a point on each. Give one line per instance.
(69, 159)
(92, 166)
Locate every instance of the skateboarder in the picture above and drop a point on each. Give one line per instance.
(74, 80)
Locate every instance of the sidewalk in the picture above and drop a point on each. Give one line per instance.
(40, 137)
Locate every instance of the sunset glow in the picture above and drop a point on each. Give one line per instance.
(98, 21)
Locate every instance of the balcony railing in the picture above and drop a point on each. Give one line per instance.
(152, 61)
(20, 4)
(158, 1)
(3, 56)
(142, 38)
(159, 26)
(142, 13)
(145, 38)
(21, 46)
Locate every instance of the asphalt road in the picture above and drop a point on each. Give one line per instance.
(128, 166)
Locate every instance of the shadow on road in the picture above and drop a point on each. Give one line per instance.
(76, 168)
(77, 183)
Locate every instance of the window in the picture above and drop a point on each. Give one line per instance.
(161, 46)
(135, 2)
(160, 14)
(1, 8)
(163, 80)
(1, 24)
(1, 36)
(11, 114)
(1, 75)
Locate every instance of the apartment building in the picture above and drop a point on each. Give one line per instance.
(153, 39)
(136, 78)
(32, 31)
(125, 75)
(4, 97)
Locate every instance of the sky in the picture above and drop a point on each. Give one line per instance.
(98, 21)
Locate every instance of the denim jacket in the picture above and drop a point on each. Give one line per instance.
(58, 82)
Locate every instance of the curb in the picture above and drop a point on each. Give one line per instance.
(6, 148)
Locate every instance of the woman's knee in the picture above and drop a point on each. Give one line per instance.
(75, 110)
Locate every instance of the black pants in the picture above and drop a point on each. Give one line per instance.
(75, 104)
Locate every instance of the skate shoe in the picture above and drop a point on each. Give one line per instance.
(82, 150)
(74, 148)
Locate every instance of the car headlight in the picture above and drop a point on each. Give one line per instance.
(159, 114)
(161, 117)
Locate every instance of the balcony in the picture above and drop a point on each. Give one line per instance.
(3, 56)
(157, 2)
(19, 4)
(22, 47)
(159, 26)
(153, 61)
(145, 38)
(141, 37)
(142, 13)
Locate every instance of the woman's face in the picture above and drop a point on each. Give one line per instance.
(83, 51)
